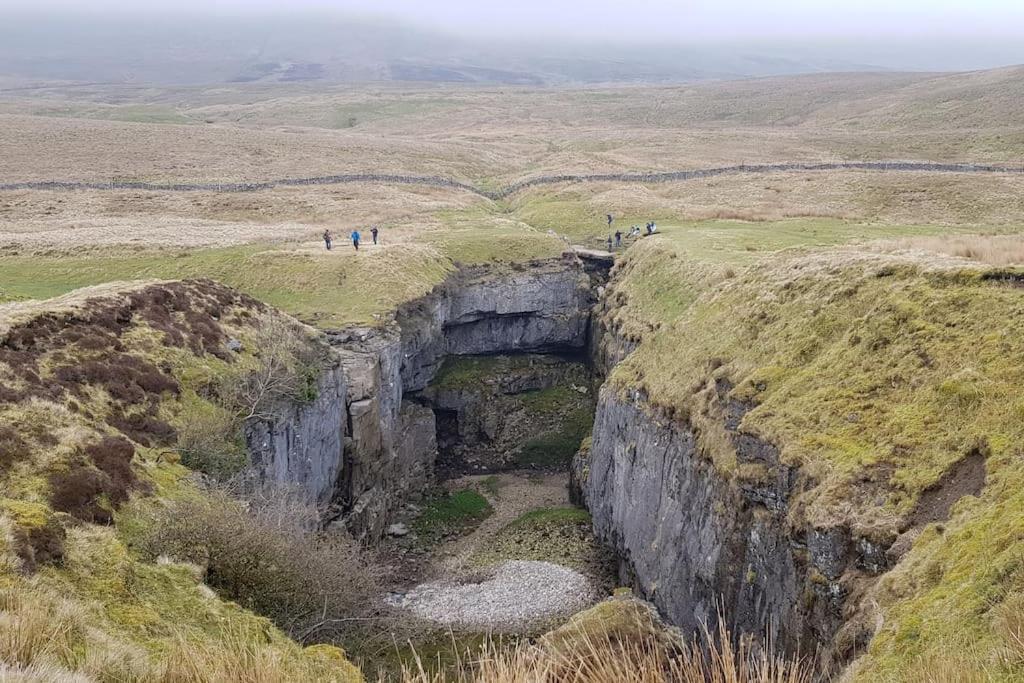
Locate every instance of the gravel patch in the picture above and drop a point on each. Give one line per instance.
(513, 596)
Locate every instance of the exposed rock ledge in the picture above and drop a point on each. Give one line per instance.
(378, 449)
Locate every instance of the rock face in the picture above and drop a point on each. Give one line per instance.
(390, 442)
(545, 307)
(363, 445)
(302, 447)
(696, 542)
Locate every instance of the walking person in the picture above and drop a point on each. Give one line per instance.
(355, 239)
(610, 219)
(618, 239)
(373, 233)
(609, 242)
(327, 239)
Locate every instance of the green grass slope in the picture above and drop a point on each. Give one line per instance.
(875, 374)
(97, 390)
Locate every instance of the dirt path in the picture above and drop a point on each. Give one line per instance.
(518, 493)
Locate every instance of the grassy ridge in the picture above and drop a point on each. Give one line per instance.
(857, 368)
(92, 398)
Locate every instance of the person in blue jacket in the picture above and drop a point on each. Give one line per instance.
(355, 239)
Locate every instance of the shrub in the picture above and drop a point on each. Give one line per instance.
(12, 446)
(310, 584)
(97, 482)
(287, 369)
(210, 441)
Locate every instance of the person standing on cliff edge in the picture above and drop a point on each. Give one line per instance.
(355, 239)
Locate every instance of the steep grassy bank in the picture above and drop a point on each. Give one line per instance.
(103, 394)
(890, 381)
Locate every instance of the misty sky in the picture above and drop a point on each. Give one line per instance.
(630, 20)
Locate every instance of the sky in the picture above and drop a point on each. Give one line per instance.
(637, 20)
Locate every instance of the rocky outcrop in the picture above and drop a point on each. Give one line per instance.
(302, 446)
(698, 543)
(489, 407)
(541, 307)
(390, 443)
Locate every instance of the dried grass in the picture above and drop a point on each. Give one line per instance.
(599, 656)
(996, 250)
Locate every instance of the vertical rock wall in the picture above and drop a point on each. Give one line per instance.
(390, 442)
(303, 446)
(692, 542)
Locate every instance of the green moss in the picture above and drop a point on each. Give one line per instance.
(468, 372)
(451, 513)
(26, 514)
(555, 449)
(560, 535)
(492, 485)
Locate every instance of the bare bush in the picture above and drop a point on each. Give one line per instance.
(287, 369)
(313, 585)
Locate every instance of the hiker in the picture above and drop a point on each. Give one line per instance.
(609, 242)
(648, 226)
(327, 239)
(610, 219)
(618, 238)
(355, 239)
(373, 232)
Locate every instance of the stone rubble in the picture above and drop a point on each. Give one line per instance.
(516, 595)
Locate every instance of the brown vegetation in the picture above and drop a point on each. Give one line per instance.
(313, 585)
(997, 250)
(617, 642)
(97, 482)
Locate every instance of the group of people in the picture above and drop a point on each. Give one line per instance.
(354, 236)
(634, 231)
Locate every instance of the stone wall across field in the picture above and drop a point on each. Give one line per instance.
(437, 181)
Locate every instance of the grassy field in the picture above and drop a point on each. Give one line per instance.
(485, 135)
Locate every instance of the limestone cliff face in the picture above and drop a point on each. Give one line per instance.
(543, 307)
(390, 442)
(303, 445)
(696, 541)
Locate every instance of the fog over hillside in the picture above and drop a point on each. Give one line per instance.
(106, 43)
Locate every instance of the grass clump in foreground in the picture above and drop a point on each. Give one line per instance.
(451, 513)
(618, 640)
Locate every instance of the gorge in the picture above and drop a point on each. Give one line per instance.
(696, 542)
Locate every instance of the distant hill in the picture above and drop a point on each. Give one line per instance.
(166, 50)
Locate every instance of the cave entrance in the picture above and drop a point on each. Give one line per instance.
(510, 412)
